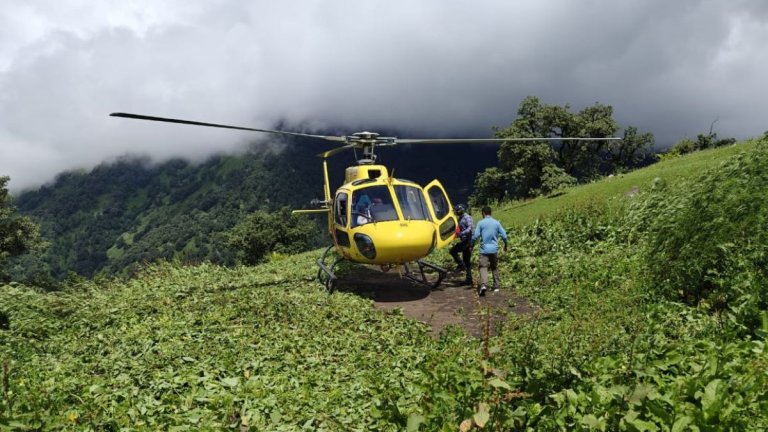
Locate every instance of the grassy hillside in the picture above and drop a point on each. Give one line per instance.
(617, 187)
(206, 347)
(633, 333)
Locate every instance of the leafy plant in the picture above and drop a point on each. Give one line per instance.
(262, 233)
(607, 346)
(18, 234)
(704, 241)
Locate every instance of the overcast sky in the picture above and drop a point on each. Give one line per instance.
(428, 68)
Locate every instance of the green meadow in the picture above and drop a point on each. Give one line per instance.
(651, 295)
(676, 169)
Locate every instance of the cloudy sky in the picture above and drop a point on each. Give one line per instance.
(429, 68)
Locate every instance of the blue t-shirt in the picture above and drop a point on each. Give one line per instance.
(489, 230)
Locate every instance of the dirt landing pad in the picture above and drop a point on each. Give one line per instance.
(452, 304)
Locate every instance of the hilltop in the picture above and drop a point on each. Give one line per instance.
(617, 187)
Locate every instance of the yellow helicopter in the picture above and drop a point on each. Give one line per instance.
(374, 218)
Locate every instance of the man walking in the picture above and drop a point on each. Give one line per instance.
(466, 225)
(489, 230)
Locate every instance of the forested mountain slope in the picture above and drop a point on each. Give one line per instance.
(131, 211)
(128, 212)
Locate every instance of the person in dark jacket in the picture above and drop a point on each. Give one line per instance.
(466, 226)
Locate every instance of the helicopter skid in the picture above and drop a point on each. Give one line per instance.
(325, 273)
(327, 277)
(420, 277)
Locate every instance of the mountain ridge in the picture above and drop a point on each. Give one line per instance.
(118, 215)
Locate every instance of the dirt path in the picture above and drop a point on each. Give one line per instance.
(452, 304)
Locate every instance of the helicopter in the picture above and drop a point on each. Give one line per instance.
(374, 218)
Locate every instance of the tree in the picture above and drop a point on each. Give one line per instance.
(262, 233)
(578, 158)
(684, 146)
(491, 186)
(630, 150)
(527, 169)
(585, 159)
(703, 142)
(18, 234)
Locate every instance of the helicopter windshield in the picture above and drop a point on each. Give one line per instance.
(412, 203)
(372, 204)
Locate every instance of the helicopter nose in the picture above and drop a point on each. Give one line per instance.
(404, 241)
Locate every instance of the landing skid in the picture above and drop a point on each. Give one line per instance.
(325, 272)
(421, 276)
(327, 277)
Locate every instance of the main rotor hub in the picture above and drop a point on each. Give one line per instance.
(367, 141)
(366, 135)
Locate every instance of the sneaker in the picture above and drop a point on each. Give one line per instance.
(496, 289)
(467, 282)
(482, 290)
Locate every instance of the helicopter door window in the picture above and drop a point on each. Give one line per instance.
(412, 203)
(372, 204)
(340, 213)
(439, 202)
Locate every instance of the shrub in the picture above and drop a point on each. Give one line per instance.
(262, 233)
(706, 240)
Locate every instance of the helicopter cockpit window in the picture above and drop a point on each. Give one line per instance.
(372, 204)
(412, 203)
(439, 202)
(340, 209)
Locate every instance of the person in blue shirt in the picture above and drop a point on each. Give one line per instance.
(488, 231)
(466, 224)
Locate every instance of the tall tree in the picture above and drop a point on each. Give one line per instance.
(578, 158)
(528, 169)
(18, 234)
(595, 121)
(630, 150)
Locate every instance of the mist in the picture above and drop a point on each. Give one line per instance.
(425, 69)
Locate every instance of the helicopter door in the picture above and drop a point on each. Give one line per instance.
(442, 213)
(340, 220)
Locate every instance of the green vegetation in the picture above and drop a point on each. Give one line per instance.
(707, 242)
(120, 215)
(280, 232)
(703, 142)
(200, 348)
(651, 317)
(528, 169)
(18, 234)
(618, 187)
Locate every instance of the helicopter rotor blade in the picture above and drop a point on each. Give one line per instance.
(496, 140)
(197, 123)
(333, 151)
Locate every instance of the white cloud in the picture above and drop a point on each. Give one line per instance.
(426, 68)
